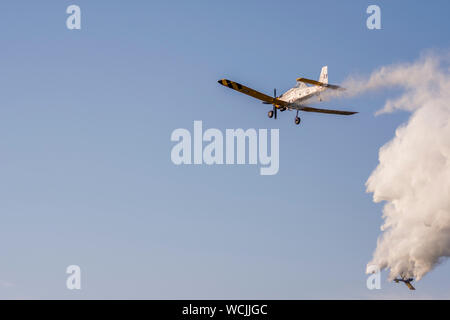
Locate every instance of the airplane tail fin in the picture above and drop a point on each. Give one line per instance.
(324, 75)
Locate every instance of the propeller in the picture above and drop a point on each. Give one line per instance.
(274, 106)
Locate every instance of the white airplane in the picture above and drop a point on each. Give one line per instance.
(294, 98)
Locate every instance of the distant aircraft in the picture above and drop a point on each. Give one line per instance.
(294, 98)
(406, 281)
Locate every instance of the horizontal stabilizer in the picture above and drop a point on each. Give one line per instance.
(321, 84)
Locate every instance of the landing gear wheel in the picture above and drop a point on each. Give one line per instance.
(270, 114)
(297, 120)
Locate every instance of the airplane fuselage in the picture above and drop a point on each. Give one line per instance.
(297, 95)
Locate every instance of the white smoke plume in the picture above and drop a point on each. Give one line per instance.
(413, 174)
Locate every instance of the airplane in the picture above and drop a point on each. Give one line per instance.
(294, 98)
(406, 281)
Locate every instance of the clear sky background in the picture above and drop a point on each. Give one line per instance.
(85, 169)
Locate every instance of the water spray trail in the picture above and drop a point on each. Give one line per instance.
(413, 174)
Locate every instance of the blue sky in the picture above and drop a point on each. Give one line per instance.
(85, 124)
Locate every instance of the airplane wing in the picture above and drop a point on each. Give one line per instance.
(321, 84)
(309, 109)
(410, 286)
(252, 93)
